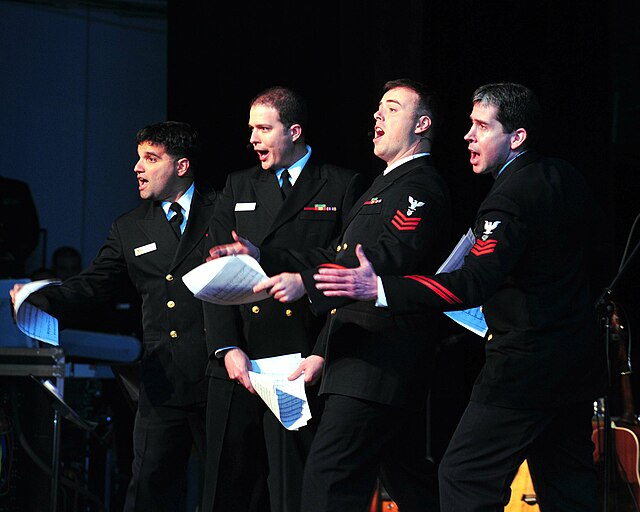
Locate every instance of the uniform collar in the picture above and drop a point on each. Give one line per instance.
(296, 168)
(402, 161)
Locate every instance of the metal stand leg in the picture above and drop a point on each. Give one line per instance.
(55, 457)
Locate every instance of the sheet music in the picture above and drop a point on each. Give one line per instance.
(286, 399)
(472, 319)
(33, 321)
(227, 281)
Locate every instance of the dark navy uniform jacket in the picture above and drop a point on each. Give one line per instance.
(529, 269)
(402, 222)
(143, 249)
(312, 214)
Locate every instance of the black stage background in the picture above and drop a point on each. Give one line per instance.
(582, 58)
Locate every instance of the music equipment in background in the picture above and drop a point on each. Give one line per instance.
(381, 501)
(22, 368)
(523, 495)
(626, 427)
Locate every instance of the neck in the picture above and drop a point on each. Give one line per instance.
(300, 149)
(180, 192)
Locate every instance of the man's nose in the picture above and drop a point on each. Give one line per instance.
(470, 135)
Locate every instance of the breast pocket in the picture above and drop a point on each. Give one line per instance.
(371, 209)
(319, 216)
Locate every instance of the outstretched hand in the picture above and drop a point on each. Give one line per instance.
(360, 283)
(240, 246)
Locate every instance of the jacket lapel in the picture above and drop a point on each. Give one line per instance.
(267, 190)
(199, 214)
(307, 186)
(385, 181)
(158, 230)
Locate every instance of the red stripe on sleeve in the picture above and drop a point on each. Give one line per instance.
(437, 288)
(331, 265)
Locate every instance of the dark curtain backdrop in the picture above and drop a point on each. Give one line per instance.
(580, 57)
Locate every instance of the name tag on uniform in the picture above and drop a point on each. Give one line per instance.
(144, 249)
(245, 207)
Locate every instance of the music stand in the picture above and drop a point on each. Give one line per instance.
(51, 362)
(63, 407)
(60, 407)
(605, 308)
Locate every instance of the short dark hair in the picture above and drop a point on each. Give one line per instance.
(65, 251)
(291, 106)
(428, 103)
(517, 107)
(179, 139)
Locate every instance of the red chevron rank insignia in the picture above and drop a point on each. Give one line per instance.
(483, 247)
(404, 223)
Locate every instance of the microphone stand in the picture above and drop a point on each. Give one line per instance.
(605, 308)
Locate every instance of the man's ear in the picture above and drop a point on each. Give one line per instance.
(295, 131)
(518, 137)
(182, 166)
(423, 124)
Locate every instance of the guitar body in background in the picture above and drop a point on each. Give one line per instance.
(627, 453)
(523, 495)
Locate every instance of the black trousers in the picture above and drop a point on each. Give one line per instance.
(490, 443)
(253, 463)
(163, 440)
(357, 442)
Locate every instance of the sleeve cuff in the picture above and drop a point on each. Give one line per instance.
(381, 301)
(222, 351)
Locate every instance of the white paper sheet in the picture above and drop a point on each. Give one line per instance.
(33, 321)
(227, 281)
(472, 319)
(286, 399)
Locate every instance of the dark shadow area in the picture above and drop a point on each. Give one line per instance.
(582, 62)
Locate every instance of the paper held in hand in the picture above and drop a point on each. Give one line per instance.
(227, 281)
(32, 321)
(473, 318)
(286, 399)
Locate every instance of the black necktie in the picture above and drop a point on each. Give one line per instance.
(286, 186)
(176, 220)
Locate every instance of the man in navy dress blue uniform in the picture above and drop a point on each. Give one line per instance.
(377, 367)
(151, 248)
(529, 268)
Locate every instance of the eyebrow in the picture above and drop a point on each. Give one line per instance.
(151, 153)
(390, 100)
(478, 120)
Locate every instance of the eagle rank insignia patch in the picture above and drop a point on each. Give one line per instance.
(407, 222)
(484, 245)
